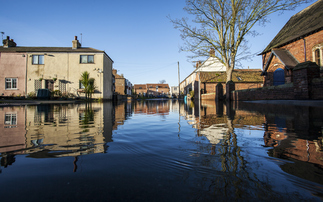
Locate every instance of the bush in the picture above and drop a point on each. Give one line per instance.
(192, 94)
(56, 93)
(31, 94)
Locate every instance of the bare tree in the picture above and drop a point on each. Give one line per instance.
(223, 25)
(162, 81)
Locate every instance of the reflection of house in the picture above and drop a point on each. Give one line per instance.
(151, 89)
(64, 130)
(158, 107)
(12, 124)
(300, 40)
(121, 113)
(27, 69)
(122, 85)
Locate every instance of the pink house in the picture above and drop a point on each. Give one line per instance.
(13, 70)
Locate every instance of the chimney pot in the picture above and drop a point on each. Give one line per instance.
(212, 52)
(8, 43)
(75, 43)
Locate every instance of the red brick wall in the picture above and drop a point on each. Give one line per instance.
(282, 92)
(210, 92)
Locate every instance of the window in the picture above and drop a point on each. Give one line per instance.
(87, 59)
(11, 83)
(81, 86)
(317, 57)
(38, 59)
(10, 119)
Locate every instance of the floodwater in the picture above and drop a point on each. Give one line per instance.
(161, 151)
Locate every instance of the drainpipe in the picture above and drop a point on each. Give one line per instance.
(304, 49)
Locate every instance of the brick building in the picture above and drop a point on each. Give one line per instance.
(300, 40)
(153, 90)
(122, 85)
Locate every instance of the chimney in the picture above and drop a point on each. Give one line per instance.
(212, 52)
(114, 71)
(8, 43)
(76, 43)
(198, 63)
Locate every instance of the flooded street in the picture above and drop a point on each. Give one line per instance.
(161, 151)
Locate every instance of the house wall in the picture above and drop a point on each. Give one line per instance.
(188, 83)
(120, 86)
(212, 65)
(107, 77)
(296, 48)
(67, 67)
(13, 65)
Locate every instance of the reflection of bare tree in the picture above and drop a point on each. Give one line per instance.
(231, 176)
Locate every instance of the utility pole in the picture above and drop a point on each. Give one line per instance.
(179, 81)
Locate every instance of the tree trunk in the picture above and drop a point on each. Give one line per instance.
(229, 73)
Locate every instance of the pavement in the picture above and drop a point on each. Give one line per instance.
(13, 102)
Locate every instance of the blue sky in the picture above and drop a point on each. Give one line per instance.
(136, 34)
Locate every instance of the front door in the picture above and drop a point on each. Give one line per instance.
(279, 77)
(49, 84)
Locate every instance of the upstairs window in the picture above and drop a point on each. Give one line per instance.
(317, 57)
(11, 83)
(87, 59)
(38, 59)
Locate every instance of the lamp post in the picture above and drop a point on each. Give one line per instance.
(100, 71)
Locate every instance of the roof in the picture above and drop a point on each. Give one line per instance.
(25, 49)
(150, 85)
(238, 76)
(47, 49)
(285, 57)
(299, 25)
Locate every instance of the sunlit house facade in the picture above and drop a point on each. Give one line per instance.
(56, 69)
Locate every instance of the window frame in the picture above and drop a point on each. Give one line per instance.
(10, 119)
(11, 84)
(318, 49)
(88, 61)
(38, 63)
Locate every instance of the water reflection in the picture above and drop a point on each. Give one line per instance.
(179, 151)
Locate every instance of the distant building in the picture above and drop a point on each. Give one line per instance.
(175, 90)
(24, 70)
(152, 89)
(300, 40)
(122, 85)
(212, 64)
